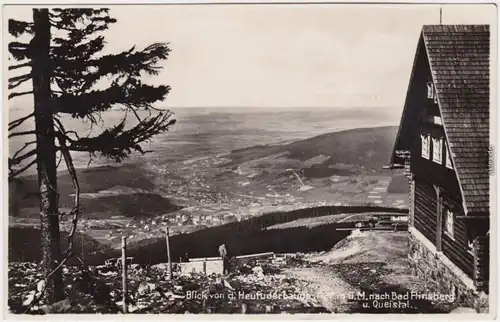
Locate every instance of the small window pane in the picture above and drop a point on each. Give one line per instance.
(437, 150)
(470, 245)
(449, 223)
(425, 145)
(430, 90)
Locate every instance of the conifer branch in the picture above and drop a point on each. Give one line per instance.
(23, 148)
(11, 135)
(15, 161)
(13, 95)
(19, 50)
(117, 143)
(18, 80)
(28, 64)
(14, 173)
(16, 123)
(18, 28)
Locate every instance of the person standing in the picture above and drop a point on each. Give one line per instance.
(225, 259)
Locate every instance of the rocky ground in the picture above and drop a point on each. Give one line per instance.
(367, 272)
(249, 289)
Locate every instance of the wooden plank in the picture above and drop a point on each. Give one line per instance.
(202, 259)
(425, 213)
(425, 230)
(460, 257)
(439, 218)
(422, 221)
(255, 255)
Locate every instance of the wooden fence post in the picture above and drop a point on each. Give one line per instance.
(167, 238)
(124, 273)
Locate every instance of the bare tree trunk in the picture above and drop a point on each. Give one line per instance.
(46, 155)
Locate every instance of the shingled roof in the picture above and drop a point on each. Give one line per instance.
(459, 62)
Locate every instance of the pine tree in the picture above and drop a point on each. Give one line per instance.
(64, 63)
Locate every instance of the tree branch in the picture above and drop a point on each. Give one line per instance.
(16, 161)
(12, 95)
(18, 80)
(117, 143)
(129, 107)
(11, 135)
(76, 208)
(22, 149)
(16, 123)
(61, 129)
(15, 173)
(59, 161)
(18, 28)
(27, 64)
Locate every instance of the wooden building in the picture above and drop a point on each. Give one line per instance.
(443, 143)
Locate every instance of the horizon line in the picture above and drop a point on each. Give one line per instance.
(282, 107)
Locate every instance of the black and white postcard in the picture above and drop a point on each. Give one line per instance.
(319, 159)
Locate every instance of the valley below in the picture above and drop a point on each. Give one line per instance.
(141, 200)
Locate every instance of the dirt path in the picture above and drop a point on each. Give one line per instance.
(323, 285)
(361, 274)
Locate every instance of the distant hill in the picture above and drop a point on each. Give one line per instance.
(340, 153)
(366, 147)
(22, 193)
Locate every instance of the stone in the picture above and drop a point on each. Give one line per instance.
(58, 307)
(145, 288)
(257, 270)
(40, 286)
(463, 310)
(31, 298)
(449, 283)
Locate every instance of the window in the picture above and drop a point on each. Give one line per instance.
(449, 223)
(425, 145)
(437, 120)
(430, 91)
(437, 150)
(448, 156)
(470, 245)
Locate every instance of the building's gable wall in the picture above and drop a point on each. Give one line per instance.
(428, 174)
(441, 175)
(415, 97)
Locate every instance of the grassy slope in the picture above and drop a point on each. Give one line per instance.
(367, 147)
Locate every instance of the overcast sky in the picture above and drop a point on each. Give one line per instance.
(329, 55)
